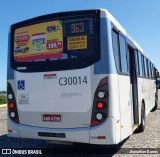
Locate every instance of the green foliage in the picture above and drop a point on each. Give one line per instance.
(3, 100)
(3, 97)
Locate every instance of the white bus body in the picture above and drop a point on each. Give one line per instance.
(94, 104)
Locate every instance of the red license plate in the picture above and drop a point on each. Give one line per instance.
(51, 118)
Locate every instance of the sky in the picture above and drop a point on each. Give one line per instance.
(141, 19)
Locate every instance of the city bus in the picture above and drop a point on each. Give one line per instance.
(77, 77)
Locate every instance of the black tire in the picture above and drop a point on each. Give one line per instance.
(141, 127)
(156, 105)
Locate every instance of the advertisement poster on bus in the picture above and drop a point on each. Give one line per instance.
(39, 41)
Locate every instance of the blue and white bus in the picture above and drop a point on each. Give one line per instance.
(77, 77)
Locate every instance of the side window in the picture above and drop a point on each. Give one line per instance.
(116, 49)
(143, 67)
(149, 69)
(140, 64)
(123, 54)
(154, 72)
(146, 67)
(137, 63)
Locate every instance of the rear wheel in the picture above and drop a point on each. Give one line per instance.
(141, 128)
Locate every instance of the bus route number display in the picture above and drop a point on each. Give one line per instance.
(79, 27)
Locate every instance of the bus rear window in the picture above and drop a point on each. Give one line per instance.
(59, 41)
(54, 40)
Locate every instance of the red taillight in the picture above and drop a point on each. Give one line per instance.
(100, 105)
(94, 123)
(11, 105)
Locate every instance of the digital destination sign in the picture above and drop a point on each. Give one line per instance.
(79, 27)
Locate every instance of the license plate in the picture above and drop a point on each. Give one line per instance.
(51, 118)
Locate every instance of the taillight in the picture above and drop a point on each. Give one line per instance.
(100, 103)
(99, 116)
(12, 106)
(10, 96)
(101, 94)
(12, 114)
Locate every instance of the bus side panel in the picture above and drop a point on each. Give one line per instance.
(148, 90)
(114, 104)
(126, 106)
(140, 84)
(153, 91)
(146, 95)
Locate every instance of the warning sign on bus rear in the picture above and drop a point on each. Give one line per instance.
(77, 42)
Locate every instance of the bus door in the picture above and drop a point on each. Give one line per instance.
(133, 80)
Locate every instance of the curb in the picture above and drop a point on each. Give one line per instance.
(3, 105)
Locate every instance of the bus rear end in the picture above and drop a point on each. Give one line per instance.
(51, 95)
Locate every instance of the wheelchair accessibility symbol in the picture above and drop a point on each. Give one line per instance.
(21, 85)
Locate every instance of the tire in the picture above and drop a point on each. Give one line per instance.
(141, 127)
(156, 105)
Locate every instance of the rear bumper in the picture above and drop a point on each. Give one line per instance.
(71, 135)
(81, 135)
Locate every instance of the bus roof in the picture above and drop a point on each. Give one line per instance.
(105, 14)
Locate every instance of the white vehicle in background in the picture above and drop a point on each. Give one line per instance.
(88, 82)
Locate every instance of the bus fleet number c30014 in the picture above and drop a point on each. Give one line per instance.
(63, 81)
